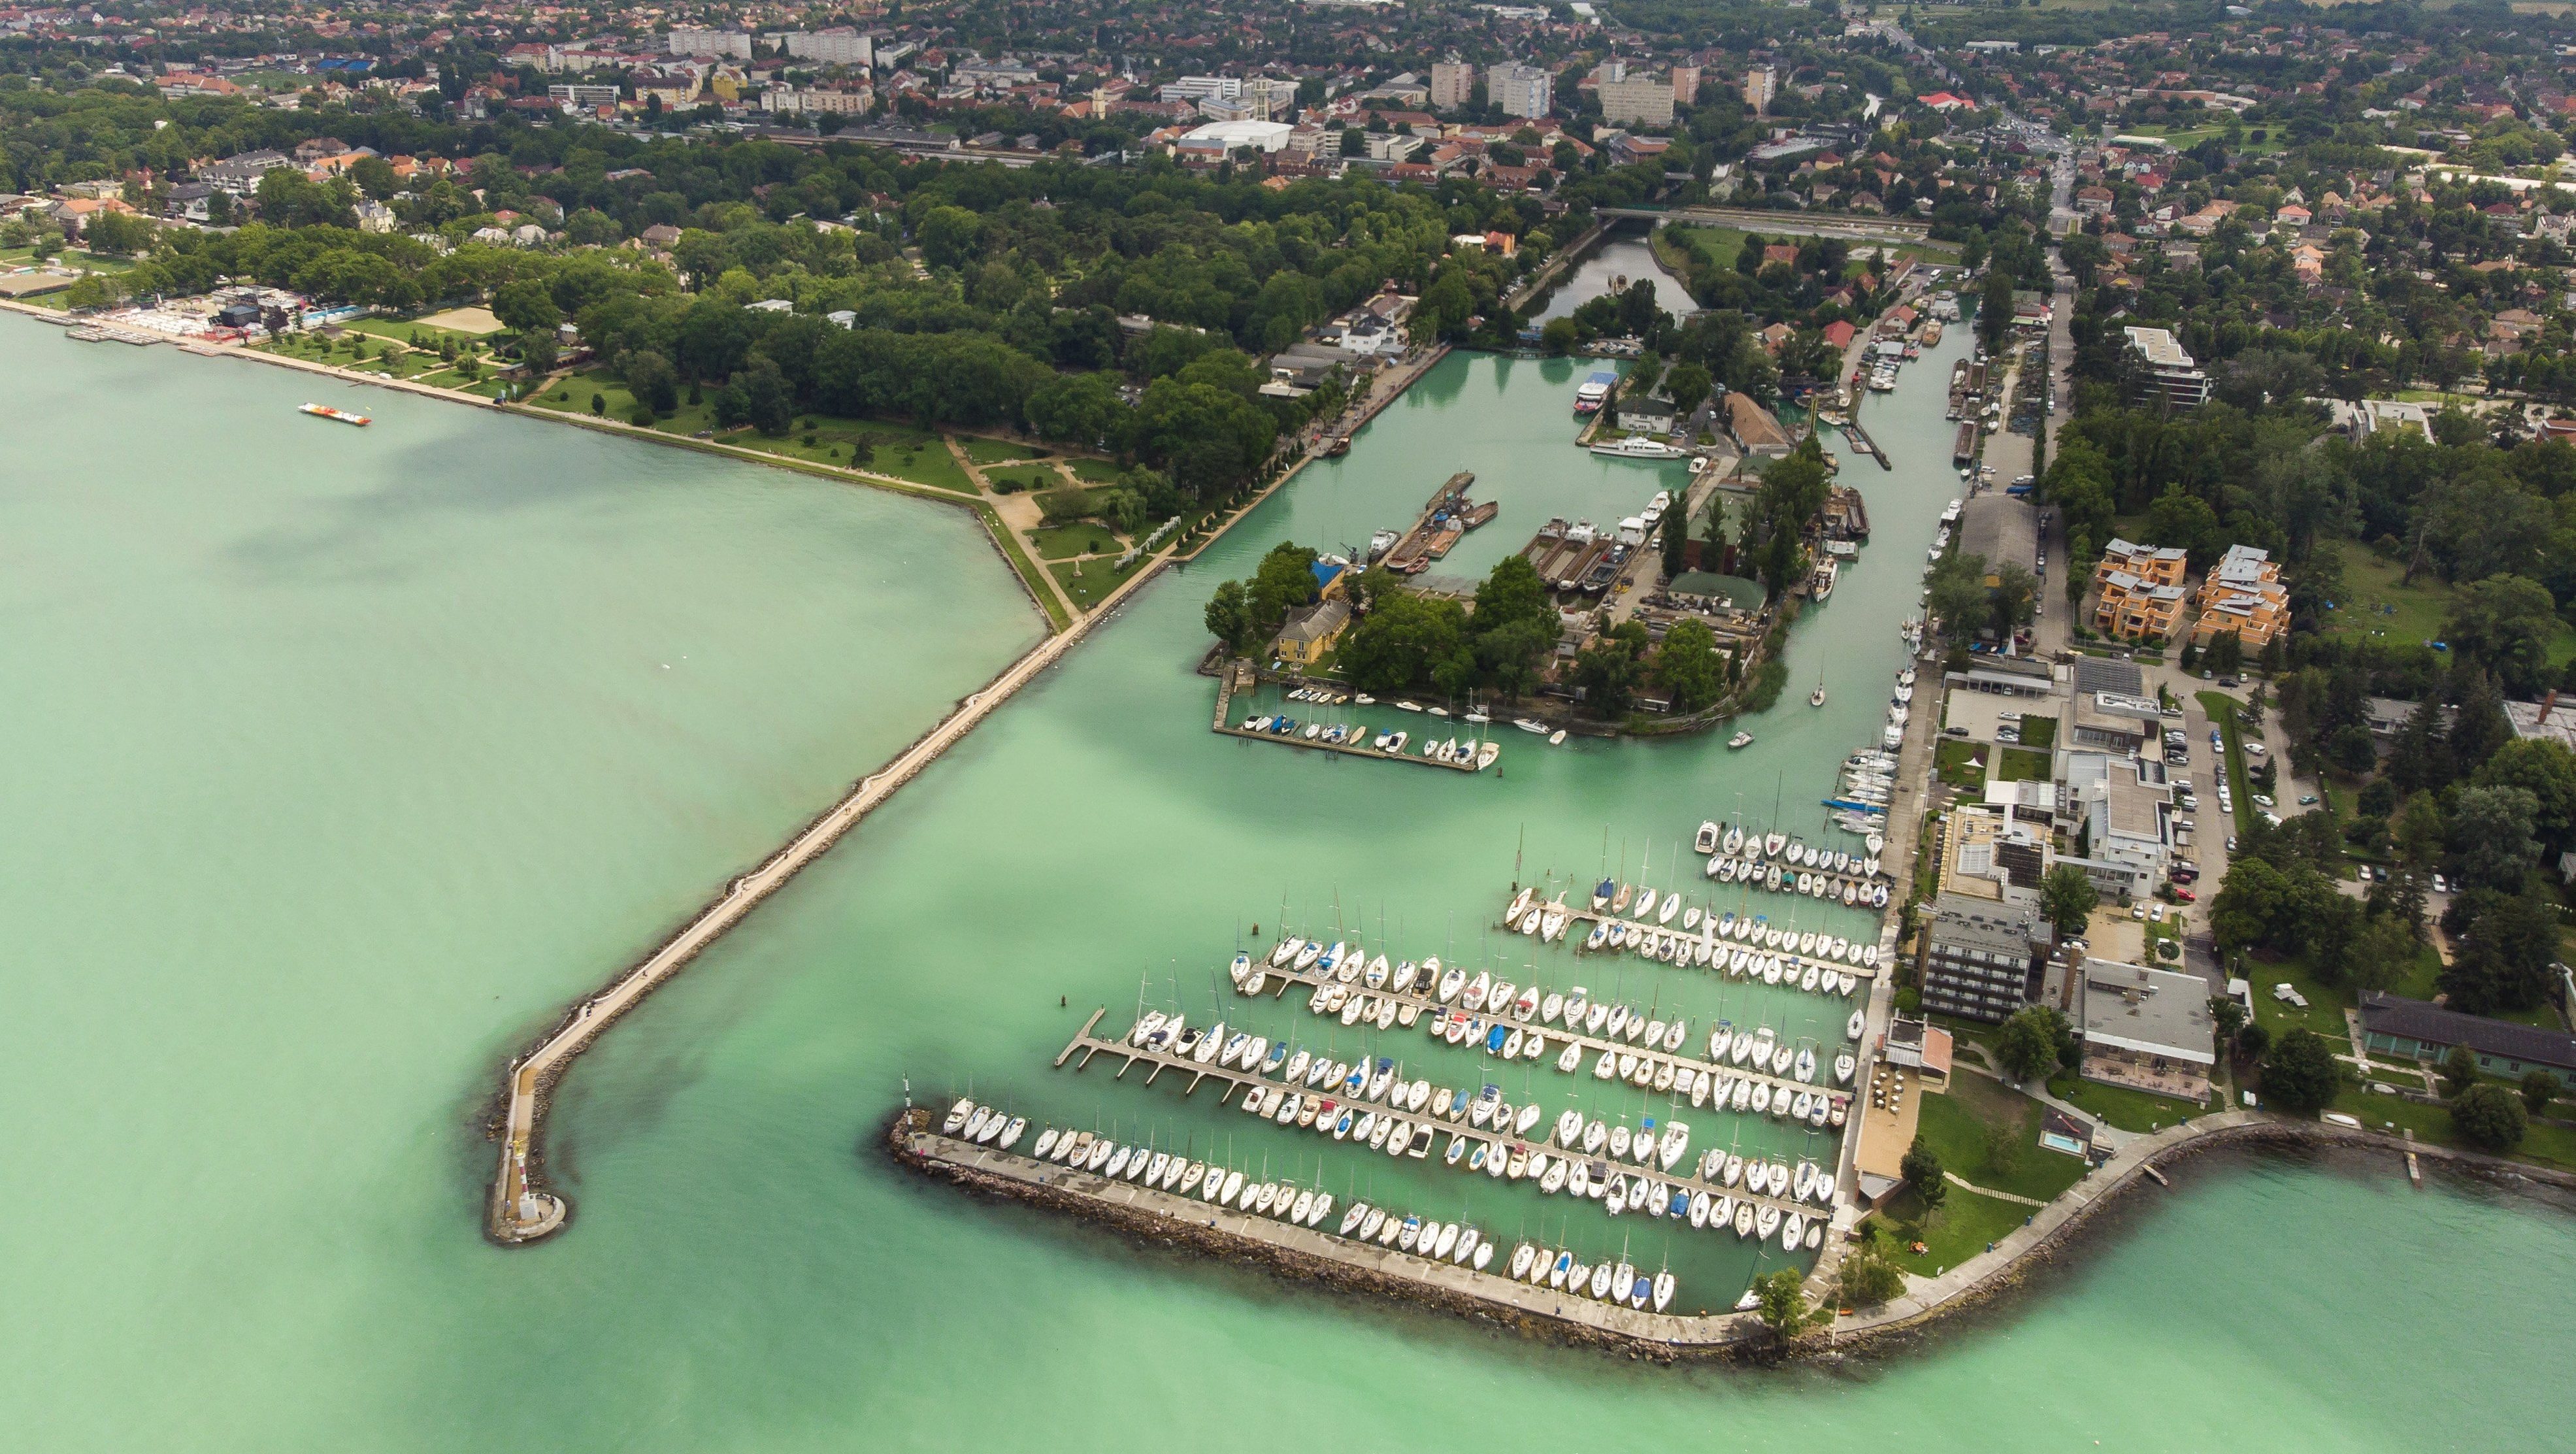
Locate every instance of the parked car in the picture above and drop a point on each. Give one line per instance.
(2441, 885)
(2231, 843)
(2307, 800)
(2186, 895)
(2264, 800)
(1955, 731)
(2253, 749)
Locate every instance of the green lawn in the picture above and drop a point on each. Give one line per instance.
(1961, 1228)
(1086, 582)
(70, 257)
(403, 330)
(1060, 542)
(1097, 471)
(1024, 477)
(2022, 764)
(2117, 1105)
(1957, 1125)
(2039, 734)
(1960, 764)
(1717, 244)
(995, 451)
(2377, 603)
(899, 450)
(2545, 1144)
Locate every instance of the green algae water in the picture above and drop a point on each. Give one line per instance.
(340, 759)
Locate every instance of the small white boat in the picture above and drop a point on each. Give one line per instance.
(1740, 740)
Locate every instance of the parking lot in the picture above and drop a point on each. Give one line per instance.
(1982, 713)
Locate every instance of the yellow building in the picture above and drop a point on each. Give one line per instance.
(1313, 633)
(2141, 593)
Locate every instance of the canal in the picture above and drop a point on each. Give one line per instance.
(363, 759)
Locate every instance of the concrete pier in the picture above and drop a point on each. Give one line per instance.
(521, 1210)
(1243, 1233)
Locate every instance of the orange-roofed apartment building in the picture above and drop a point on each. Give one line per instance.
(2141, 593)
(2243, 594)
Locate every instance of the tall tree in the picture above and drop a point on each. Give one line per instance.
(2067, 896)
(2299, 1074)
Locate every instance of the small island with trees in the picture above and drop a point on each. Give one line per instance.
(1634, 663)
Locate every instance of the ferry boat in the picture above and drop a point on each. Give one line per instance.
(1593, 392)
(1638, 446)
(325, 411)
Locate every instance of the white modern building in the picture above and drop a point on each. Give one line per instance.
(1525, 91)
(734, 43)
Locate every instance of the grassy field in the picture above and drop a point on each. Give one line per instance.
(899, 450)
(995, 451)
(1960, 1127)
(2548, 1145)
(1097, 471)
(2377, 603)
(2119, 1106)
(1963, 1226)
(2022, 764)
(1960, 764)
(2039, 734)
(70, 257)
(1721, 244)
(1062, 542)
(1023, 477)
(1087, 582)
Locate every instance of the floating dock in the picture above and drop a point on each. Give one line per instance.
(1861, 441)
(1225, 725)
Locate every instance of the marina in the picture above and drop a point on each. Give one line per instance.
(1424, 1130)
(1351, 739)
(758, 1075)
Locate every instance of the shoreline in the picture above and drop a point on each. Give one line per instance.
(1984, 1285)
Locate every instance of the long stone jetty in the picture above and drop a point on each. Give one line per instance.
(522, 1209)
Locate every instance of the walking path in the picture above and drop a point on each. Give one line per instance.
(1964, 1184)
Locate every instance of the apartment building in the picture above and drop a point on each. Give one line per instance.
(1983, 959)
(1637, 101)
(1452, 82)
(1524, 91)
(1761, 83)
(841, 47)
(734, 43)
(2162, 371)
(2242, 594)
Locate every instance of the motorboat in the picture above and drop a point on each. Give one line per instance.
(1740, 740)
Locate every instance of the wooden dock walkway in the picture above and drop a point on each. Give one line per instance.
(1234, 1080)
(1860, 440)
(1672, 1329)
